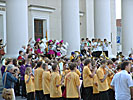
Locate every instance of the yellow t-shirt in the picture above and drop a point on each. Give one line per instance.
(95, 87)
(77, 72)
(102, 86)
(71, 82)
(71, 58)
(46, 82)
(109, 78)
(87, 80)
(30, 86)
(55, 92)
(38, 78)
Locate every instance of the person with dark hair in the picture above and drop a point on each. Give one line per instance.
(105, 47)
(94, 48)
(109, 78)
(102, 75)
(122, 83)
(88, 80)
(17, 84)
(46, 82)
(22, 80)
(72, 57)
(131, 56)
(38, 81)
(29, 49)
(55, 83)
(118, 68)
(82, 46)
(20, 55)
(4, 67)
(72, 83)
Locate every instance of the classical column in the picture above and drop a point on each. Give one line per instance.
(113, 26)
(127, 26)
(90, 18)
(17, 26)
(102, 24)
(71, 24)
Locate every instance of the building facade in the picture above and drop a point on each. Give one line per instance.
(69, 20)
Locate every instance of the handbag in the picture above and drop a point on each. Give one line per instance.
(7, 93)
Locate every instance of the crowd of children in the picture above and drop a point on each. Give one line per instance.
(49, 75)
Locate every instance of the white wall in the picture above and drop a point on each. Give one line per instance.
(1, 27)
(55, 28)
(82, 8)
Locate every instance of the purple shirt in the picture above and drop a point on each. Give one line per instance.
(22, 71)
(28, 65)
(3, 69)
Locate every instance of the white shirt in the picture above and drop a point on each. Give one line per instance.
(94, 44)
(122, 82)
(99, 47)
(105, 47)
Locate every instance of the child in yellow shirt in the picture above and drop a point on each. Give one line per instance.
(46, 82)
(55, 84)
(95, 88)
(38, 81)
(72, 83)
(29, 81)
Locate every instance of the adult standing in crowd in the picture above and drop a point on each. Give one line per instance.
(9, 77)
(122, 83)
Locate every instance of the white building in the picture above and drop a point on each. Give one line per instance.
(69, 20)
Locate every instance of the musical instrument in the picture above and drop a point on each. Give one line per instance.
(110, 70)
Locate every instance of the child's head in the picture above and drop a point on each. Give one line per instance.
(99, 40)
(72, 66)
(8, 61)
(15, 62)
(87, 62)
(39, 64)
(110, 63)
(104, 63)
(82, 39)
(45, 66)
(55, 67)
(85, 44)
(93, 40)
(28, 46)
(21, 53)
(28, 70)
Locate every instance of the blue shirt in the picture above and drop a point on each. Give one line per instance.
(10, 80)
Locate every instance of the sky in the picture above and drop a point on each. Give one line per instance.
(118, 9)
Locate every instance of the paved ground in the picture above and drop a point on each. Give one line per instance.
(17, 98)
